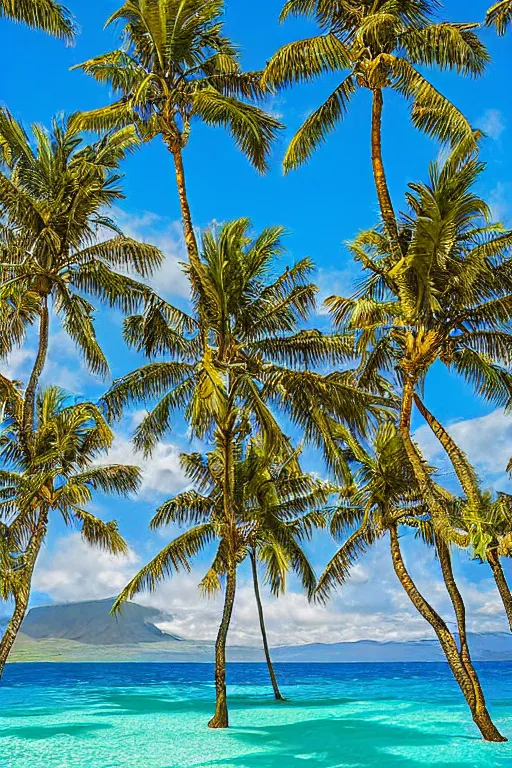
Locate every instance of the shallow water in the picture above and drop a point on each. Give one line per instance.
(337, 715)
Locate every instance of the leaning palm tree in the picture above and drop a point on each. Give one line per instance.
(235, 361)
(276, 507)
(448, 298)
(499, 15)
(47, 15)
(177, 67)
(58, 475)
(386, 495)
(376, 46)
(55, 193)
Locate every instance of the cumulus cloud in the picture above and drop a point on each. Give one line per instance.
(167, 235)
(64, 366)
(487, 441)
(73, 570)
(371, 606)
(492, 123)
(161, 474)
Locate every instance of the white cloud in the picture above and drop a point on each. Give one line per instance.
(63, 368)
(17, 365)
(372, 606)
(499, 202)
(487, 441)
(167, 235)
(74, 571)
(161, 473)
(334, 282)
(492, 123)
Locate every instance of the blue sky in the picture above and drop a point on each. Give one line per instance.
(322, 206)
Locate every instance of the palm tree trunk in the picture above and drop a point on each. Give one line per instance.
(220, 719)
(188, 228)
(273, 679)
(421, 474)
(501, 582)
(461, 465)
(225, 438)
(385, 204)
(460, 613)
(446, 639)
(31, 390)
(23, 595)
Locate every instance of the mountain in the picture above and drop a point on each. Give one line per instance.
(91, 623)
(86, 632)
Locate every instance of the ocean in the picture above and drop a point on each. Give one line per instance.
(153, 715)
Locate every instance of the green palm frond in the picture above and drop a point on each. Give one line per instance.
(173, 557)
(499, 15)
(47, 15)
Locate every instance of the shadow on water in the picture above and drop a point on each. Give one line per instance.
(331, 743)
(37, 732)
(143, 704)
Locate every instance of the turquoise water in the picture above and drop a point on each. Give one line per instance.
(155, 715)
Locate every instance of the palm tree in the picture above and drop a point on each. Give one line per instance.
(499, 15)
(386, 495)
(376, 46)
(487, 521)
(47, 15)
(176, 67)
(276, 507)
(58, 474)
(234, 359)
(447, 299)
(54, 199)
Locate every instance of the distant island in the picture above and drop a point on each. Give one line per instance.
(86, 631)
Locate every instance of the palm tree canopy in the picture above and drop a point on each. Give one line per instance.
(62, 470)
(499, 16)
(55, 193)
(376, 45)
(277, 507)
(176, 66)
(449, 297)
(47, 15)
(241, 351)
(489, 526)
(385, 492)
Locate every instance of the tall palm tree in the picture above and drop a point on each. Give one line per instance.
(499, 15)
(176, 67)
(238, 356)
(47, 15)
(376, 46)
(447, 299)
(386, 495)
(55, 194)
(58, 475)
(487, 520)
(275, 508)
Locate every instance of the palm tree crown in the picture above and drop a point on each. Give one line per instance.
(275, 510)
(177, 66)
(377, 46)
(240, 352)
(380, 44)
(449, 297)
(47, 15)
(499, 15)
(55, 196)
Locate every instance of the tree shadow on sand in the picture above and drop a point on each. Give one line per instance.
(346, 742)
